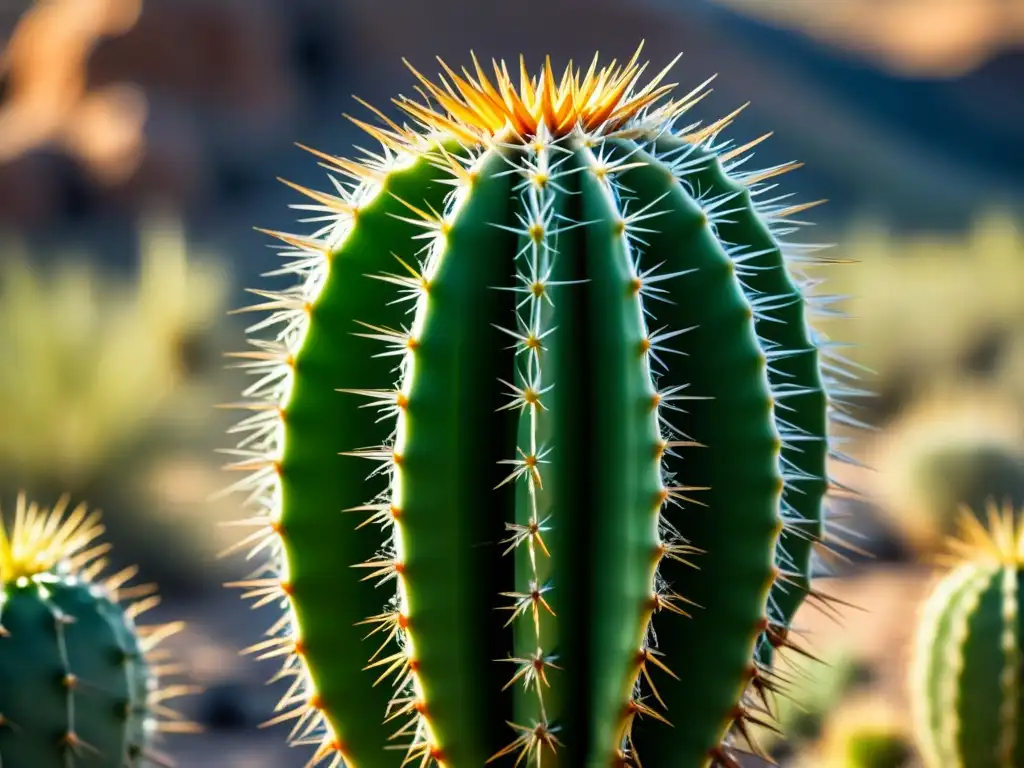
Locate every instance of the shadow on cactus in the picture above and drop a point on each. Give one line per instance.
(79, 679)
(568, 334)
(965, 682)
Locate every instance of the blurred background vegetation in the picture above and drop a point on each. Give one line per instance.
(139, 145)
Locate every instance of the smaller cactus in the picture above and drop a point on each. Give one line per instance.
(966, 674)
(78, 686)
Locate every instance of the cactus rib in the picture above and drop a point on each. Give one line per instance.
(796, 381)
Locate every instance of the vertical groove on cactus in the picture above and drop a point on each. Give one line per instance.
(625, 435)
(797, 389)
(806, 392)
(964, 681)
(1009, 674)
(594, 408)
(79, 680)
(1010, 745)
(550, 449)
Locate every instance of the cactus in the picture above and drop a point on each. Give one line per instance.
(78, 679)
(564, 331)
(965, 681)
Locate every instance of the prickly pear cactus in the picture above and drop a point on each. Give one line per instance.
(538, 447)
(965, 683)
(78, 683)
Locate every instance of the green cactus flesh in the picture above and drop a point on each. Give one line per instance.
(61, 633)
(795, 375)
(564, 333)
(965, 683)
(76, 686)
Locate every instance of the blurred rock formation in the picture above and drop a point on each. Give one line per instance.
(943, 38)
(109, 105)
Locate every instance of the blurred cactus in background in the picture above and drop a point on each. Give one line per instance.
(81, 684)
(953, 447)
(965, 682)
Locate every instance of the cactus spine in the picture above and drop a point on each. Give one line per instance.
(595, 403)
(78, 680)
(966, 674)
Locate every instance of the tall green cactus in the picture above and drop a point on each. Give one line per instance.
(563, 329)
(78, 679)
(966, 673)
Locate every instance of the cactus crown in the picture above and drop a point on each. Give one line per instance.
(1001, 541)
(41, 538)
(477, 107)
